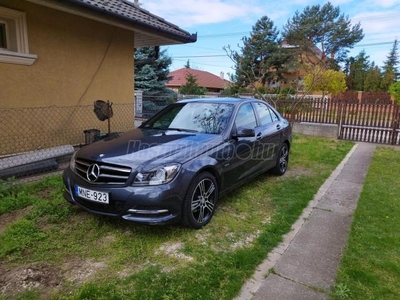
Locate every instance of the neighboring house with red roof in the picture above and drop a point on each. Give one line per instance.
(213, 83)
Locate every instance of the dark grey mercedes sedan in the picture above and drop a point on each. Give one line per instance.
(176, 165)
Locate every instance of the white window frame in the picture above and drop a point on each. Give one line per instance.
(19, 52)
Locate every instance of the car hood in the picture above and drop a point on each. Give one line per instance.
(145, 149)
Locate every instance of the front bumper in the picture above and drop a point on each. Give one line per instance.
(154, 205)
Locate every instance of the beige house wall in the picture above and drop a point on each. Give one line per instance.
(78, 61)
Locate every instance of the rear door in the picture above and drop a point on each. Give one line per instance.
(269, 134)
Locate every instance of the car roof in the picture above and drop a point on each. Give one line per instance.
(228, 100)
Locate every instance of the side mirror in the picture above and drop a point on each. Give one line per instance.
(244, 132)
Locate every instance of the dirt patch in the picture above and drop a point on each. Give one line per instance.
(45, 277)
(106, 241)
(298, 172)
(174, 250)
(45, 194)
(9, 218)
(203, 236)
(245, 241)
(37, 275)
(78, 271)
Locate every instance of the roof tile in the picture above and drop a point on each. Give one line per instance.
(204, 79)
(131, 12)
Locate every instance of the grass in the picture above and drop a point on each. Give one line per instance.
(122, 260)
(370, 267)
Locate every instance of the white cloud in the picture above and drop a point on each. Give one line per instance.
(383, 3)
(378, 22)
(189, 13)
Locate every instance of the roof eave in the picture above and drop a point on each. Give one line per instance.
(190, 38)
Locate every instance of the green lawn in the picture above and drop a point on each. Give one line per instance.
(82, 256)
(370, 267)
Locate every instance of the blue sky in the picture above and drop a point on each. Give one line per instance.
(220, 23)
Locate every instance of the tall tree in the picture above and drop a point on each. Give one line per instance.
(392, 60)
(323, 27)
(356, 70)
(261, 59)
(151, 73)
(349, 71)
(391, 67)
(373, 79)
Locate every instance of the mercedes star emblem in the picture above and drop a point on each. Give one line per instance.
(93, 172)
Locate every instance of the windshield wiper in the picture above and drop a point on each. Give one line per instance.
(176, 129)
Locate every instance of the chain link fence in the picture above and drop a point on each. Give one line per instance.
(35, 140)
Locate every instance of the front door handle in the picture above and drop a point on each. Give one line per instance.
(259, 136)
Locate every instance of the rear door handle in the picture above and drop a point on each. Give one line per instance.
(278, 127)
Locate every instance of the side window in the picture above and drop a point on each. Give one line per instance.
(265, 114)
(245, 117)
(274, 116)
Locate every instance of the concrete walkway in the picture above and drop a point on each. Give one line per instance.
(305, 263)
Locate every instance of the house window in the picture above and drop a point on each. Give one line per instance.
(14, 38)
(3, 40)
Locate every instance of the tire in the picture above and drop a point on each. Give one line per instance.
(200, 201)
(282, 160)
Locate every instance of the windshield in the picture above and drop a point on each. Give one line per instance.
(194, 117)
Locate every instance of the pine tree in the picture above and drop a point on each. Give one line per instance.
(191, 87)
(151, 74)
(373, 79)
(326, 28)
(391, 68)
(356, 71)
(392, 60)
(261, 58)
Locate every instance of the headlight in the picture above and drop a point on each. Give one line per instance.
(72, 162)
(158, 176)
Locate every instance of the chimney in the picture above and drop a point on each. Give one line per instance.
(136, 2)
(221, 75)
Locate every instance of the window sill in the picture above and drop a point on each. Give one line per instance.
(10, 57)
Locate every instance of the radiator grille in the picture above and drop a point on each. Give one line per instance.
(101, 173)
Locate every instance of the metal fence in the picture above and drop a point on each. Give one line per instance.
(367, 121)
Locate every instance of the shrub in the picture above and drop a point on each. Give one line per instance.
(394, 91)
